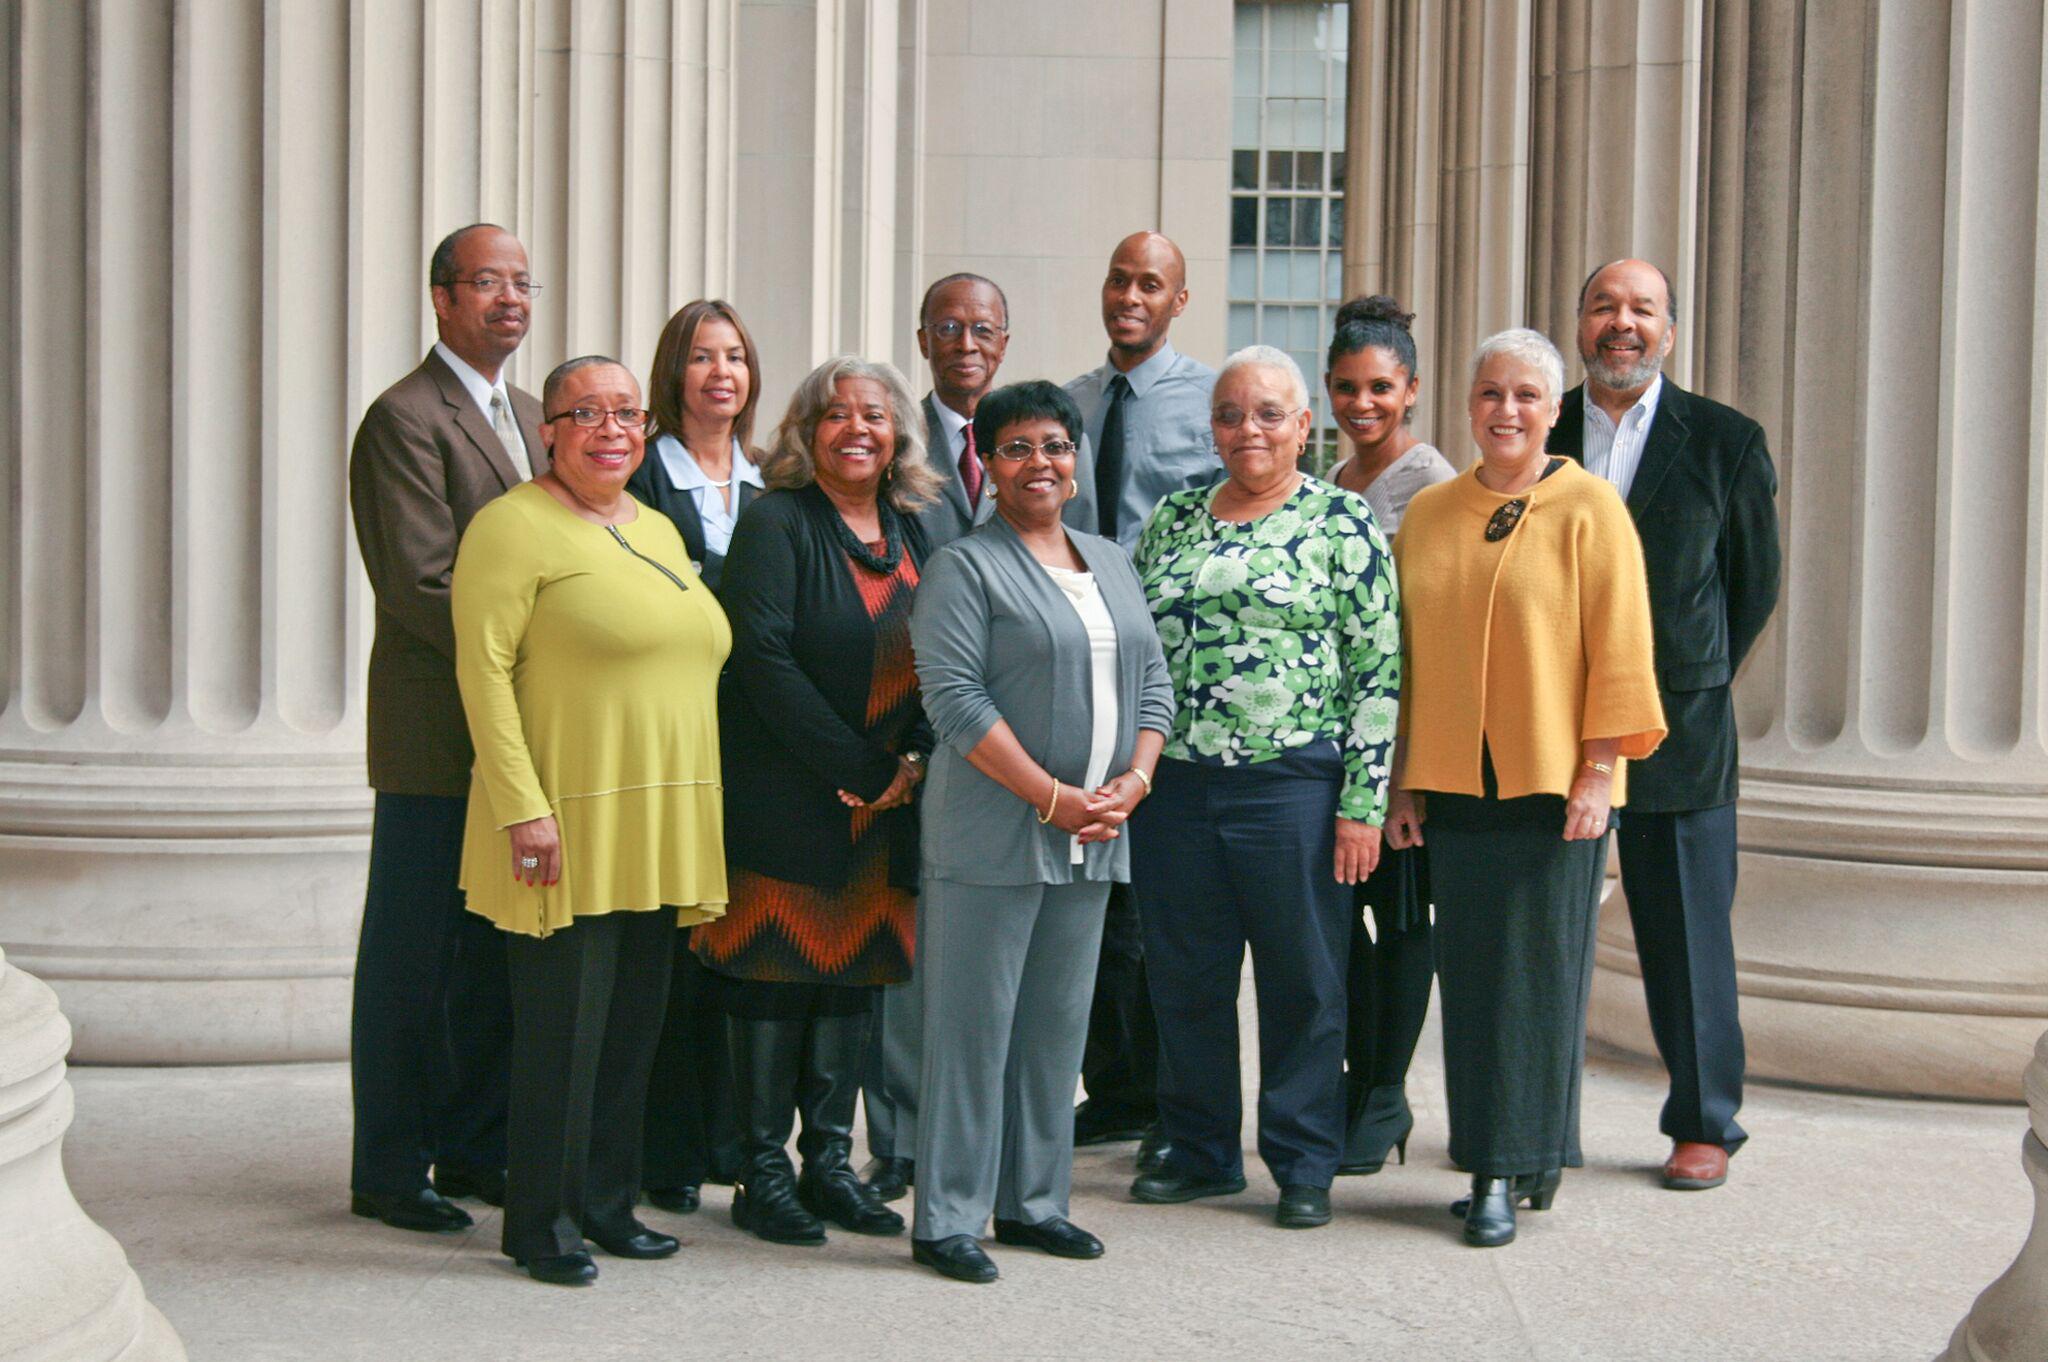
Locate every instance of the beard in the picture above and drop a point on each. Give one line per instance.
(1622, 378)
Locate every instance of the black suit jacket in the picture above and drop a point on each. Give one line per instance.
(1704, 501)
(950, 516)
(651, 485)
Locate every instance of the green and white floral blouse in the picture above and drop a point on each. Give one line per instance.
(1279, 632)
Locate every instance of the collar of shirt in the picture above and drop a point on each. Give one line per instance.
(952, 422)
(1646, 404)
(1145, 375)
(480, 388)
(687, 476)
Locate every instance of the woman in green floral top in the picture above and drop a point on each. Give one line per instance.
(1275, 599)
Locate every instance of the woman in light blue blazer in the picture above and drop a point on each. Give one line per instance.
(1043, 679)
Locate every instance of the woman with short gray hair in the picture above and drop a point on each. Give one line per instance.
(1275, 601)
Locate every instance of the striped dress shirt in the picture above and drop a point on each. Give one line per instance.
(1615, 452)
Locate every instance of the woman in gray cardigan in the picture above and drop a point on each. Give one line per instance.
(1043, 678)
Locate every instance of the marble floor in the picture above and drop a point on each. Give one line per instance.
(1853, 1227)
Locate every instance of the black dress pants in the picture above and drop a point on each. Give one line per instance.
(587, 1005)
(692, 1133)
(1678, 871)
(431, 1029)
(1120, 1063)
(1226, 857)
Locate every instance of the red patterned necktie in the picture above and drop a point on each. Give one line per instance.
(970, 468)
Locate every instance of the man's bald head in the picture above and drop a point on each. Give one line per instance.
(1145, 289)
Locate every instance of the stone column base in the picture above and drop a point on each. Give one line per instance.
(69, 1292)
(2009, 1322)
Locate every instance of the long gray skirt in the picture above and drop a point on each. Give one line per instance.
(1515, 918)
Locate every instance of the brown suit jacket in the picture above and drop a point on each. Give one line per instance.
(425, 461)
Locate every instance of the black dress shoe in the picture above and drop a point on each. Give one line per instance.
(637, 1242)
(889, 1178)
(426, 1210)
(958, 1257)
(1060, 1237)
(485, 1184)
(1097, 1125)
(1169, 1186)
(840, 1197)
(1490, 1212)
(1154, 1151)
(1302, 1207)
(561, 1269)
(676, 1200)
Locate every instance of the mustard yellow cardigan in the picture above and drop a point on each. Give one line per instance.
(1535, 642)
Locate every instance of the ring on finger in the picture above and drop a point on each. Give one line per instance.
(529, 862)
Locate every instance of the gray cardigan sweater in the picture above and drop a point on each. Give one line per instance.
(997, 640)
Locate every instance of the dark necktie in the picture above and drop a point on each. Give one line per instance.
(970, 468)
(1109, 459)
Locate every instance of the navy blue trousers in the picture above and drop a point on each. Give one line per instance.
(1678, 871)
(431, 1032)
(1228, 857)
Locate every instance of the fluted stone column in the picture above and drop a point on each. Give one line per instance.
(2009, 1321)
(214, 241)
(1890, 291)
(69, 1291)
(1851, 204)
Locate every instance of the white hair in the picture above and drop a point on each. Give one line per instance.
(1267, 357)
(1530, 347)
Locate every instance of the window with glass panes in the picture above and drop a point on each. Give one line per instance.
(1287, 184)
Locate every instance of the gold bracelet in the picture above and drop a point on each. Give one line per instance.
(1052, 803)
(1603, 768)
(1145, 778)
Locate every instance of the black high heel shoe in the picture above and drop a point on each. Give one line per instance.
(1380, 1123)
(1489, 1211)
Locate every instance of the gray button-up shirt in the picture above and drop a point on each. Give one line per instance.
(1167, 442)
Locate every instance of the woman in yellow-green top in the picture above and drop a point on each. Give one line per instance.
(588, 654)
(1528, 681)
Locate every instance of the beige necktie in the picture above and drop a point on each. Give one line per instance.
(508, 435)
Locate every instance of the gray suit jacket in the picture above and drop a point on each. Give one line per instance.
(996, 640)
(425, 461)
(950, 516)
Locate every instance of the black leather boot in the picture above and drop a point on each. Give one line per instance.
(1378, 1123)
(826, 1095)
(767, 1059)
(1490, 1212)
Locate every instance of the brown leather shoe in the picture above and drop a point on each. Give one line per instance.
(1694, 1167)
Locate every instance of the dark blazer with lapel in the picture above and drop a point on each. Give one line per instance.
(1704, 501)
(950, 516)
(425, 461)
(793, 701)
(651, 484)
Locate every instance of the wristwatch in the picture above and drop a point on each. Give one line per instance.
(915, 760)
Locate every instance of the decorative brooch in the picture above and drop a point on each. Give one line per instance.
(1504, 520)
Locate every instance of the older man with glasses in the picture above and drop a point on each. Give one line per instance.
(432, 1022)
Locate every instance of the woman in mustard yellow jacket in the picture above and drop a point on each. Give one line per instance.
(1526, 629)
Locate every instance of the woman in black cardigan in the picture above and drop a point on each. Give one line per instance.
(823, 743)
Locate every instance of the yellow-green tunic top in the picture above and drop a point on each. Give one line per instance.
(590, 682)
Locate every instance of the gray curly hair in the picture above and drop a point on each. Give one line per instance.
(912, 483)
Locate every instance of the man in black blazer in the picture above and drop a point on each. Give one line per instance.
(1700, 486)
(963, 328)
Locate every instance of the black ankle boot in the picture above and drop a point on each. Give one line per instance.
(826, 1095)
(1490, 1212)
(767, 1059)
(1378, 1124)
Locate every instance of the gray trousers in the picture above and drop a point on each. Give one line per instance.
(1008, 972)
(895, 1056)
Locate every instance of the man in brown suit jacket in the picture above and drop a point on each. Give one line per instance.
(432, 1020)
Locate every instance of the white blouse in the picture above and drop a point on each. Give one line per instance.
(1086, 597)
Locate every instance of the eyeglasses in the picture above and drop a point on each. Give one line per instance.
(491, 283)
(629, 418)
(1268, 418)
(950, 331)
(1017, 451)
